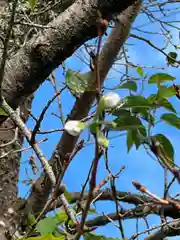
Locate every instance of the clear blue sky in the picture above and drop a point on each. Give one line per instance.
(139, 166)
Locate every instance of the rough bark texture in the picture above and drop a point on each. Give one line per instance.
(9, 167)
(48, 49)
(143, 205)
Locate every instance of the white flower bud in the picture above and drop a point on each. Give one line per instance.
(111, 100)
(74, 128)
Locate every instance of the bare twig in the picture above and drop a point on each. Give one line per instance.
(18, 121)
(92, 185)
(38, 123)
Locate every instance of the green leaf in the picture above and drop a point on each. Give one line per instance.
(2, 112)
(61, 216)
(127, 123)
(136, 101)
(93, 236)
(79, 82)
(140, 71)
(171, 58)
(32, 4)
(47, 225)
(136, 137)
(130, 85)
(121, 113)
(166, 92)
(171, 119)
(165, 148)
(129, 140)
(161, 102)
(160, 78)
(144, 113)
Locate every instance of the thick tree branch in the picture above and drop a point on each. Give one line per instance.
(44, 52)
(167, 230)
(138, 200)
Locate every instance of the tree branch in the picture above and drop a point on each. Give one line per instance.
(167, 230)
(138, 200)
(48, 49)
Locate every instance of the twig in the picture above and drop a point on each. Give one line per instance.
(152, 45)
(92, 186)
(18, 121)
(38, 123)
(143, 189)
(114, 194)
(168, 186)
(12, 141)
(77, 148)
(154, 228)
(58, 98)
(50, 131)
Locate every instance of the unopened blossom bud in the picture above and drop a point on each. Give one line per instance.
(74, 128)
(111, 100)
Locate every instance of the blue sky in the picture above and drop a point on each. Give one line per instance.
(139, 166)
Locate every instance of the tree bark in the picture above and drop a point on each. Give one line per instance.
(26, 70)
(11, 141)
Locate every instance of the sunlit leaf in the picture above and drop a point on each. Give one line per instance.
(160, 78)
(47, 225)
(140, 71)
(93, 236)
(161, 102)
(130, 85)
(127, 123)
(136, 101)
(171, 119)
(164, 148)
(79, 82)
(61, 216)
(166, 92)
